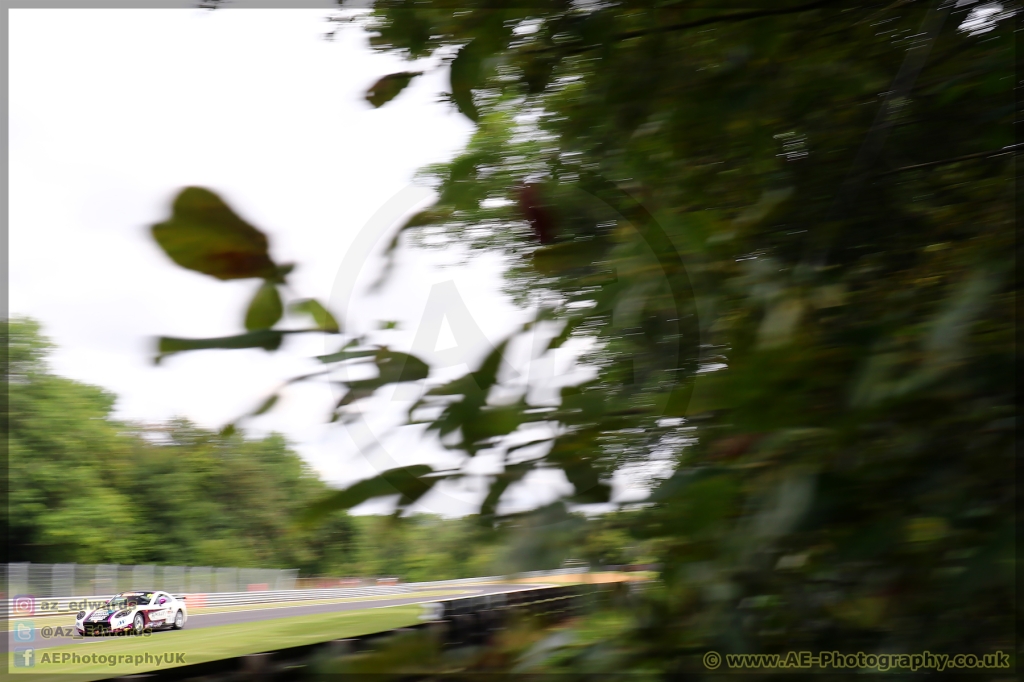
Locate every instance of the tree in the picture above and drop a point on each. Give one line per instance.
(87, 488)
(800, 291)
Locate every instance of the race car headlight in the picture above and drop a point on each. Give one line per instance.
(121, 614)
(80, 616)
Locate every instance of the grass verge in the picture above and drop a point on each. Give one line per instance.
(187, 647)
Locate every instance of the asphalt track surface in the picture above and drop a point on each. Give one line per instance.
(285, 610)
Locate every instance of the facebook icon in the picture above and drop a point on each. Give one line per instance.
(24, 657)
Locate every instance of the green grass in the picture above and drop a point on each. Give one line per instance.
(210, 644)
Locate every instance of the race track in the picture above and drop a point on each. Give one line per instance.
(222, 616)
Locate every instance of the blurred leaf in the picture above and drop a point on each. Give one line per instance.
(476, 383)
(408, 482)
(951, 324)
(711, 391)
(570, 325)
(926, 529)
(537, 71)
(487, 374)
(513, 473)
(465, 75)
(266, 405)
(779, 322)
(427, 216)
(786, 505)
(769, 204)
(481, 425)
(399, 367)
(388, 87)
(358, 390)
(320, 315)
(265, 309)
(346, 354)
(392, 367)
(205, 235)
(575, 453)
(560, 258)
(266, 339)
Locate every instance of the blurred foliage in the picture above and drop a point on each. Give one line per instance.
(789, 234)
(88, 488)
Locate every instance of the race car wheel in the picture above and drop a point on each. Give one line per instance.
(179, 620)
(138, 623)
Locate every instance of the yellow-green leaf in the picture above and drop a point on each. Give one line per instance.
(265, 309)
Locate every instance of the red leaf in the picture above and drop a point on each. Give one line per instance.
(537, 214)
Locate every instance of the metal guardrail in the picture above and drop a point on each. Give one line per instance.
(504, 578)
(59, 580)
(67, 605)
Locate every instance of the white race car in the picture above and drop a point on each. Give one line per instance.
(133, 613)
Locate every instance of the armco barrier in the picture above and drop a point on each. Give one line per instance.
(59, 605)
(59, 580)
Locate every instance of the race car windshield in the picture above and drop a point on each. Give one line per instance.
(122, 601)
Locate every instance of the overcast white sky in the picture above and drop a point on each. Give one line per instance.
(113, 111)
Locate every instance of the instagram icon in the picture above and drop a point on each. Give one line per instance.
(24, 605)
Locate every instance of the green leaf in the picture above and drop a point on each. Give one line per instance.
(388, 87)
(513, 474)
(487, 375)
(570, 325)
(537, 70)
(465, 74)
(265, 309)
(266, 405)
(559, 258)
(357, 390)
(265, 339)
(392, 368)
(427, 216)
(573, 453)
(203, 234)
(345, 354)
(397, 367)
(321, 316)
(404, 481)
(494, 421)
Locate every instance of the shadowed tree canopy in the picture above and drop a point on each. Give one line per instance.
(788, 233)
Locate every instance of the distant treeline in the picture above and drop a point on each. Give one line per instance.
(87, 488)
